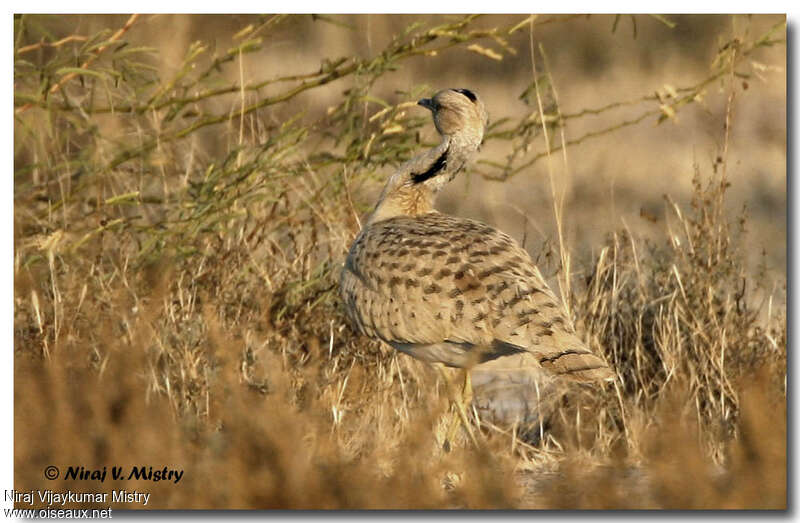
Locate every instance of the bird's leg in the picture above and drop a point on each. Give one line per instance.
(461, 401)
(466, 392)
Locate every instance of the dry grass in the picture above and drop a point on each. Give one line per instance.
(178, 237)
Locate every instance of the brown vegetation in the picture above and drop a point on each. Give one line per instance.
(179, 230)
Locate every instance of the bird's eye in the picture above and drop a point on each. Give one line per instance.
(469, 94)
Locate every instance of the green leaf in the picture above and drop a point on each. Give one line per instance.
(665, 21)
(64, 71)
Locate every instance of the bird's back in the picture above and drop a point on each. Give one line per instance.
(459, 292)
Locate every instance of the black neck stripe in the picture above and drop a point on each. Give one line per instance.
(469, 94)
(438, 165)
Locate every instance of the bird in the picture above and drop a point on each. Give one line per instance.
(449, 290)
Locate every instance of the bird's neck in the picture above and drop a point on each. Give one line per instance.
(406, 200)
(402, 197)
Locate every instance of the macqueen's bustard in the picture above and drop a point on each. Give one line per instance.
(451, 290)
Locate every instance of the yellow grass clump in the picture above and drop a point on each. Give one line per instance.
(180, 222)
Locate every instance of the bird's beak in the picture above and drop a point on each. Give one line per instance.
(427, 103)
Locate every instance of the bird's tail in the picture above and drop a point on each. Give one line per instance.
(578, 364)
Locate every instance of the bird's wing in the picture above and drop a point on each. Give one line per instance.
(434, 279)
(528, 316)
(405, 282)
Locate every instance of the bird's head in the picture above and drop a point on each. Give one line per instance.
(459, 114)
(460, 118)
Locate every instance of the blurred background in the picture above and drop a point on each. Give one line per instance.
(610, 181)
(186, 188)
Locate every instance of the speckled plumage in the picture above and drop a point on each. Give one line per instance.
(453, 290)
